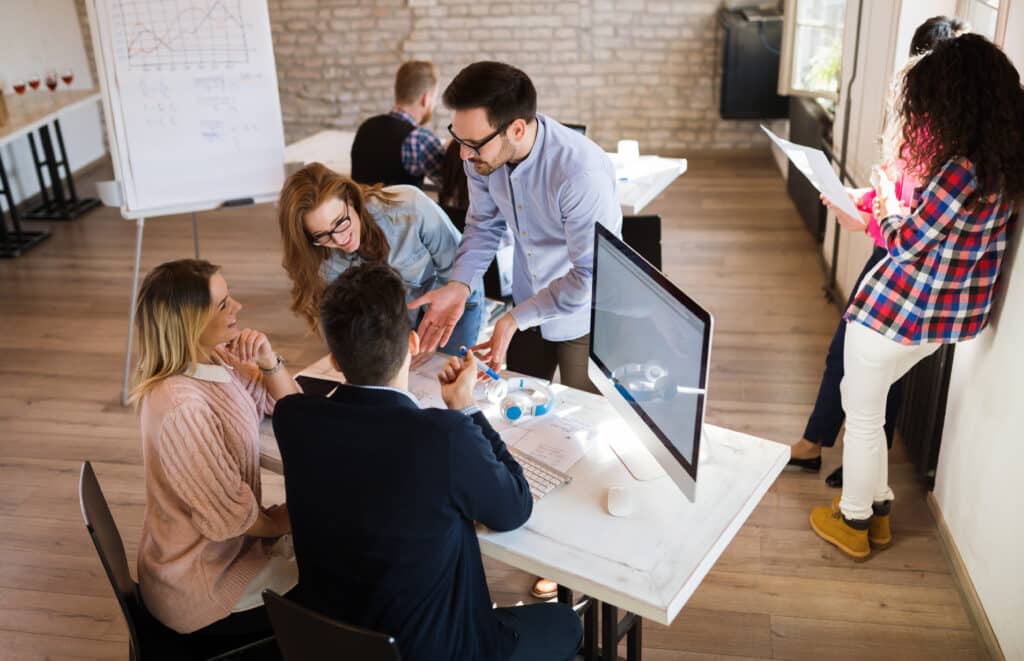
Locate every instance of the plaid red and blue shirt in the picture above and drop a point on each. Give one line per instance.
(936, 283)
(422, 151)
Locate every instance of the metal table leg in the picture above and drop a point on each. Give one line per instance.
(140, 226)
(14, 241)
(56, 205)
(613, 630)
(588, 608)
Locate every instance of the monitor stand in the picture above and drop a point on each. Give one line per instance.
(642, 466)
(635, 457)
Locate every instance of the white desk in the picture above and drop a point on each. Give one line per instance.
(36, 111)
(333, 148)
(645, 180)
(652, 561)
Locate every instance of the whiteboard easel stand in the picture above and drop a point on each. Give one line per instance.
(110, 193)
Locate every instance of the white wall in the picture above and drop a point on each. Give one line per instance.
(979, 486)
(36, 36)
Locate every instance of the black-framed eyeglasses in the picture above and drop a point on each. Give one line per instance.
(475, 148)
(323, 239)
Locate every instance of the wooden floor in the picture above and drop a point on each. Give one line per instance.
(732, 240)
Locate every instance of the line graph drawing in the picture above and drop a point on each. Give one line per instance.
(182, 33)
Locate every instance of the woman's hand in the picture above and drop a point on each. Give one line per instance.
(252, 346)
(847, 221)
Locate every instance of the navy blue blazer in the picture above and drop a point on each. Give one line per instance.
(383, 496)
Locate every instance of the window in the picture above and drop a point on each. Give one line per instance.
(980, 16)
(812, 48)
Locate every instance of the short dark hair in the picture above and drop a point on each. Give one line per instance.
(934, 30)
(505, 92)
(366, 324)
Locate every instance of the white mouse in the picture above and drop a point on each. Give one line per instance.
(620, 501)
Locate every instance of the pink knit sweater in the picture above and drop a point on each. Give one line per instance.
(201, 454)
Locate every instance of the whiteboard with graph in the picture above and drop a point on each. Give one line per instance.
(191, 102)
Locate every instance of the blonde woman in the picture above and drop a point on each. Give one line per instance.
(330, 223)
(208, 546)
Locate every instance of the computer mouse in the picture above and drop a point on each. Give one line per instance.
(620, 501)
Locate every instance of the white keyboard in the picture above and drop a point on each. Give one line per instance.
(542, 478)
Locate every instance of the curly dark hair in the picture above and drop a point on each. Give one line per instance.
(964, 100)
(934, 30)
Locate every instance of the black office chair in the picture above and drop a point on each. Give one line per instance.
(580, 128)
(643, 234)
(303, 634)
(148, 639)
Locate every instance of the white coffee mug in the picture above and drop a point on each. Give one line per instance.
(629, 150)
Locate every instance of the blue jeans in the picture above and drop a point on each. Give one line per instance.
(467, 331)
(539, 632)
(827, 417)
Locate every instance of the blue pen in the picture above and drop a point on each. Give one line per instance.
(487, 370)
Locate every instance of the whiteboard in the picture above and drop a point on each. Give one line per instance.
(191, 102)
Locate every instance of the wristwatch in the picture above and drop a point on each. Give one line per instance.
(273, 370)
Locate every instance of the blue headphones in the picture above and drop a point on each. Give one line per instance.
(515, 402)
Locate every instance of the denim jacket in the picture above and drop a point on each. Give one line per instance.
(421, 237)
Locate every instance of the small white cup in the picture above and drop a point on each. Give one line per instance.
(629, 150)
(110, 193)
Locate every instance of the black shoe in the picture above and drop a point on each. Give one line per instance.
(813, 465)
(835, 478)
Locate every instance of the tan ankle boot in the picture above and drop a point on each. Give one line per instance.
(829, 524)
(879, 533)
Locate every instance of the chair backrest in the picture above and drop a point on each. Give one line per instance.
(105, 536)
(304, 634)
(643, 234)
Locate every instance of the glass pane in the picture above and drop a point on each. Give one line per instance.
(821, 12)
(817, 53)
(981, 16)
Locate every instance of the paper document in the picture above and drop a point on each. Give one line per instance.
(816, 167)
(557, 440)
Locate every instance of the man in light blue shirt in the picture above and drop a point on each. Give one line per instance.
(549, 184)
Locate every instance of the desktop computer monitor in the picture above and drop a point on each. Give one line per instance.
(650, 346)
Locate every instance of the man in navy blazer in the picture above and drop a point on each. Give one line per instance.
(383, 494)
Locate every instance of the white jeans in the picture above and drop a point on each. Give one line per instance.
(871, 363)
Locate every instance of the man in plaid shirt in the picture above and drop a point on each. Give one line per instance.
(394, 148)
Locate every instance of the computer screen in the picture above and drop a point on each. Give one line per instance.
(653, 343)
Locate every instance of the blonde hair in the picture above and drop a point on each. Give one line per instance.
(414, 78)
(173, 310)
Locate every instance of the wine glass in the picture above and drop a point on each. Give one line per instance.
(68, 77)
(51, 80)
(33, 81)
(19, 86)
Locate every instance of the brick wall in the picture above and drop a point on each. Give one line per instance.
(642, 69)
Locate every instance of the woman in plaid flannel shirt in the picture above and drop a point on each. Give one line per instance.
(961, 112)
(826, 419)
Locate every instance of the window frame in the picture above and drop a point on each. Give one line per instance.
(790, 23)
